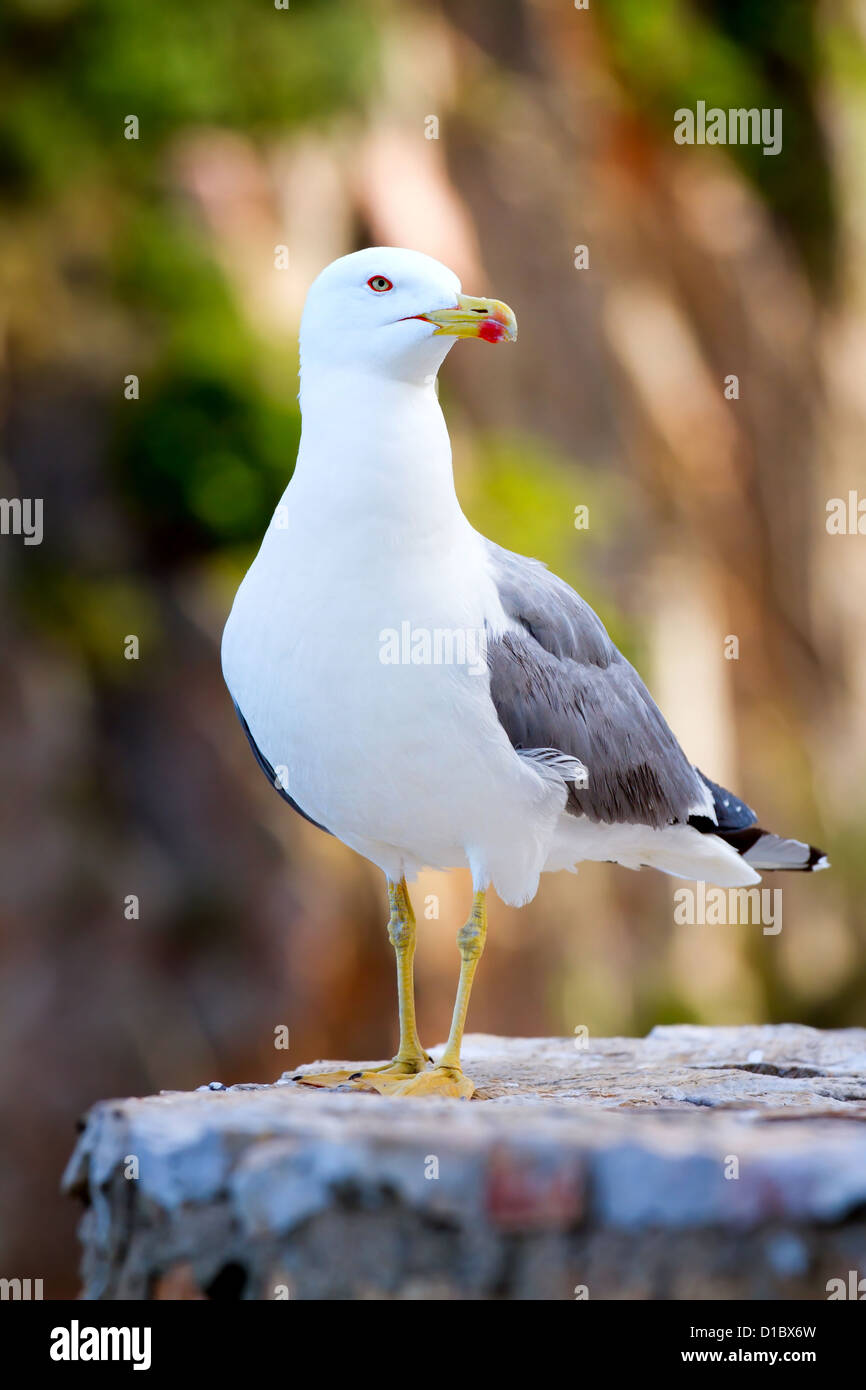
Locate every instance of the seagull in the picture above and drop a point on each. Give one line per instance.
(426, 696)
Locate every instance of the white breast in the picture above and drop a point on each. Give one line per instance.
(404, 759)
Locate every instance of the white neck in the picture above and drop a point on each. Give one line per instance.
(373, 447)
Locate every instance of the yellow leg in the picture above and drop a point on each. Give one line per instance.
(411, 1057)
(401, 932)
(447, 1077)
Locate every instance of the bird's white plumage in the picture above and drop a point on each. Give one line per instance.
(406, 763)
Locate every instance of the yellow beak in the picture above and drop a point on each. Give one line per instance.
(489, 319)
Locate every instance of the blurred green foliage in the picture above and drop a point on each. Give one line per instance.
(89, 617)
(206, 458)
(71, 70)
(522, 492)
(205, 452)
(733, 54)
(201, 457)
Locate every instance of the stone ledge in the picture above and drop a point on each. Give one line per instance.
(608, 1167)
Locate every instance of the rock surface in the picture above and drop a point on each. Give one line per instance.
(694, 1163)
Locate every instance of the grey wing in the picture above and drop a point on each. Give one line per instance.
(559, 683)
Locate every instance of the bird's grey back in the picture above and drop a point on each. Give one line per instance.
(558, 682)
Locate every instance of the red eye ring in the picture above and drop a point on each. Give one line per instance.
(380, 284)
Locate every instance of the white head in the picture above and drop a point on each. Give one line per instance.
(394, 313)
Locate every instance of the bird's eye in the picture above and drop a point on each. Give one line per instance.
(379, 283)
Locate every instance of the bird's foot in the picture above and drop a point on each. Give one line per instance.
(437, 1081)
(385, 1079)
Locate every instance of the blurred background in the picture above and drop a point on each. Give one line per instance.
(498, 137)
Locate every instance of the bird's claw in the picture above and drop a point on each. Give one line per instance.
(384, 1080)
(448, 1082)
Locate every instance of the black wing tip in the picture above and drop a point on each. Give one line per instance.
(817, 860)
(731, 812)
(768, 852)
(812, 863)
(737, 826)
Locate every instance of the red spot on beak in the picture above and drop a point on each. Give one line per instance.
(491, 331)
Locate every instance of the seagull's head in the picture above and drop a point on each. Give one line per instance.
(394, 313)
